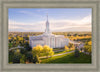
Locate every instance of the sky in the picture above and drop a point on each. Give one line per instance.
(60, 19)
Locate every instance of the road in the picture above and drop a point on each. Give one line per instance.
(18, 47)
(57, 54)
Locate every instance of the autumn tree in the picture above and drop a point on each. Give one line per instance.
(47, 51)
(89, 43)
(71, 46)
(87, 47)
(51, 52)
(42, 51)
(66, 48)
(37, 50)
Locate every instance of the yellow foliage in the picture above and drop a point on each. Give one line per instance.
(78, 37)
(14, 38)
(20, 38)
(9, 37)
(46, 48)
(51, 52)
(17, 51)
(66, 48)
(42, 50)
(90, 42)
(28, 36)
(72, 48)
(37, 50)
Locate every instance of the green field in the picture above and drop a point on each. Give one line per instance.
(68, 58)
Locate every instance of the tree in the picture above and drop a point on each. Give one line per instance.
(11, 54)
(17, 51)
(71, 45)
(23, 51)
(37, 50)
(10, 41)
(29, 57)
(89, 50)
(27, 47)
(51, 53)
(66, 48)
(47, 51)
(76, 53)
(89, 43)
(87, 47)
(10, 45)
(81, 49)
(36, 59)
(42, 50)
(16, 58)
(22, 59)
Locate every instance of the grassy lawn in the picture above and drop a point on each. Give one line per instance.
(59, 52)
(68, 58)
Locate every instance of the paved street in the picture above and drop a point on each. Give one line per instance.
(18, 47)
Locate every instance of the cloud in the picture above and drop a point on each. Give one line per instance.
(14, 26)
(55, 25)
(64, 25)
(30, 13)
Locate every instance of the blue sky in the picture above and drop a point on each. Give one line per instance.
(60, 19)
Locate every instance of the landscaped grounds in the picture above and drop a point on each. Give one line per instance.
(68, 58)
(20, 52)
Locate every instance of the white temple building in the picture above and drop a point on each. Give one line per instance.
(47, 38)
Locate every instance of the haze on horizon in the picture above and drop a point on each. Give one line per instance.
(60, 19)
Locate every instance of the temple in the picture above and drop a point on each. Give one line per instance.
(47, 38)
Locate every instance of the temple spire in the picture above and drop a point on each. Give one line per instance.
(47, 16)
(47, 25)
